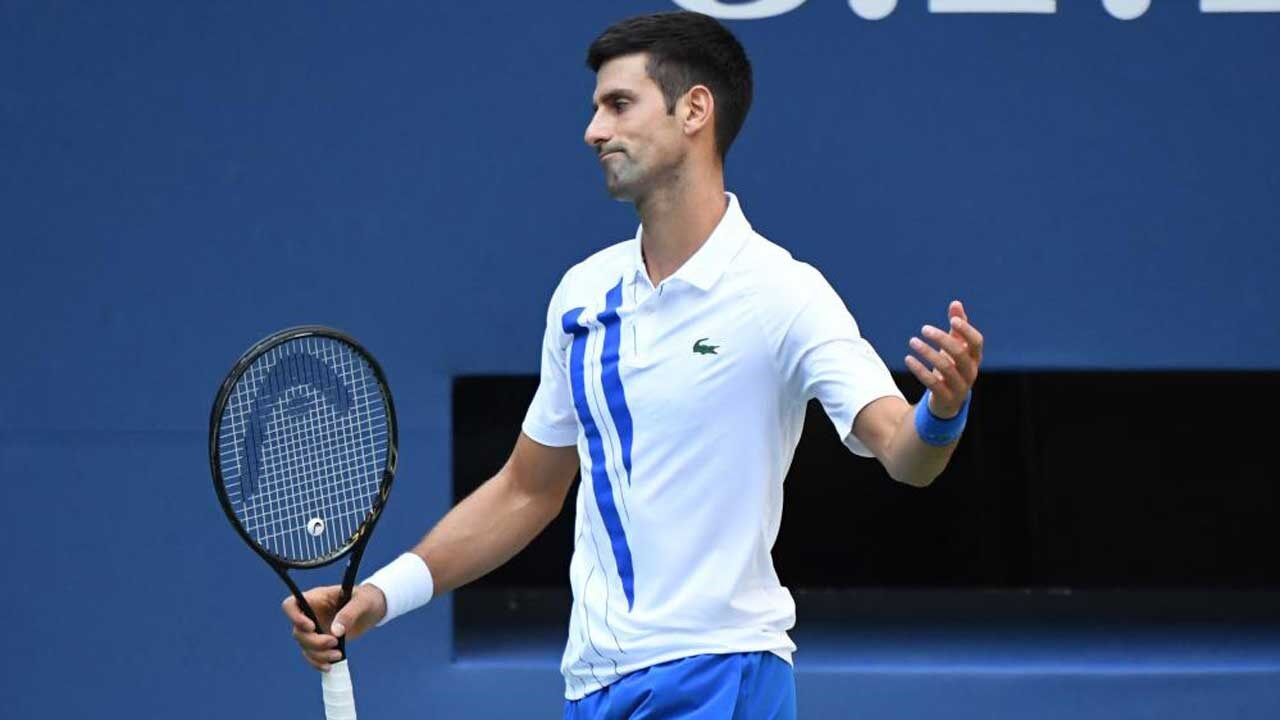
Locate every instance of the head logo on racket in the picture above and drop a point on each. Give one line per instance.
(289, 379)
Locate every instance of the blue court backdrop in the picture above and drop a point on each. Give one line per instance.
(181, 179)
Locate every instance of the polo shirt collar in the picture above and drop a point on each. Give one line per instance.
(705, 267)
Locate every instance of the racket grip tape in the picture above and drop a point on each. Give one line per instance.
(339, 701)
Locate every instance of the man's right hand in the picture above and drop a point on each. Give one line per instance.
(366, 607)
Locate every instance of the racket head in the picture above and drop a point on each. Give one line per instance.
(303, 445)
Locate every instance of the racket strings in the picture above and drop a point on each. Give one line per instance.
(303, 446)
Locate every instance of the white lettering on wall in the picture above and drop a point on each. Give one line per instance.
(740, 11)
(873, 9)
(1220, 6)
(993, 6)
(1126, 9)
(879, 9)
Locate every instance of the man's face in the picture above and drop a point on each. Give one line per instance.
(639, 145)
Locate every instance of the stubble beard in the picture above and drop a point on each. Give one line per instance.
(628, 182)
(624, 180)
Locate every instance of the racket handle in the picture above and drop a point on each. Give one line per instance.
(339, 701)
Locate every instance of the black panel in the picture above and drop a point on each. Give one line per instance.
(1083, 480)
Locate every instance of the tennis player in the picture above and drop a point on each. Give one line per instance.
(676, 368)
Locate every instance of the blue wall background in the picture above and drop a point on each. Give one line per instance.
(183, 178)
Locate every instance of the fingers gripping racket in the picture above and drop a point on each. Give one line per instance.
(302, 443)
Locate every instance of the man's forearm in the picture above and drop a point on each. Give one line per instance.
(911, 460)
(486, 529)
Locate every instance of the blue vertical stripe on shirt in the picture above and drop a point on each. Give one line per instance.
(600, 484)
(615, 396)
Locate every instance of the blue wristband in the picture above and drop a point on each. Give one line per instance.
(935, 431)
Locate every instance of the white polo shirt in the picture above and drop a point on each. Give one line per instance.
(686, 402)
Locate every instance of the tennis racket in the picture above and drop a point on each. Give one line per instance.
(302, 443)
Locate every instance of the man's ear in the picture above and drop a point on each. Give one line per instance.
(696, 109)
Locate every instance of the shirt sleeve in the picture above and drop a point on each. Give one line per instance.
(550, 419)
(828, 359)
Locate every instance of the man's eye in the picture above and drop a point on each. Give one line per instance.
(620, 105)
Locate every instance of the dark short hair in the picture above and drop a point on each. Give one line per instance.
(685, 49)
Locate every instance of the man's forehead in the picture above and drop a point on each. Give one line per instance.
(624, 73)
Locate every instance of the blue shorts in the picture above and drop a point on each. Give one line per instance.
(741, 686)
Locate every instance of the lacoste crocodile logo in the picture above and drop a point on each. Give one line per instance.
(701, 349)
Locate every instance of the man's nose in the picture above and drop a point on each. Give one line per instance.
(598, 131)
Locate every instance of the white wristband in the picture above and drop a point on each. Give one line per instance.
(406, 584)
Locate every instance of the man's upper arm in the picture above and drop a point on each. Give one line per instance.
(826, 358)
(541, 469)
(546, 455)
(876, 423)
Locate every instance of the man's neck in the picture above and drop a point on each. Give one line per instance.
(677, 221)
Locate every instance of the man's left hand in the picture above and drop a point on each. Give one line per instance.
(954, 361)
